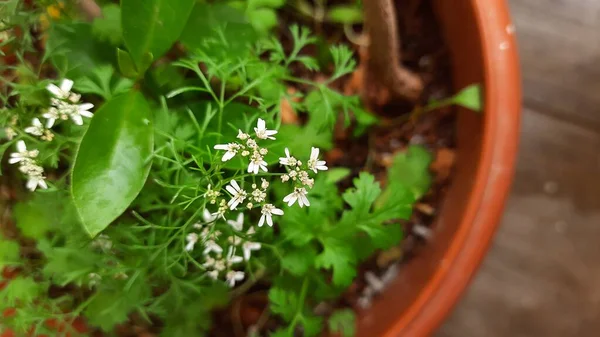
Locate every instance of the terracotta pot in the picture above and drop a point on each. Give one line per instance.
(481, 38)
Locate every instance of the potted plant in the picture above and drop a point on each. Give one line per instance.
(235, 168)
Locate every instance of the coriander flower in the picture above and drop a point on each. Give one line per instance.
(314, 163)
(34, 181)
(237, 224)
(10, 133)
(257, 162)
(237, 194)
(288, 160)
(62, 92)
(208, 217)
(76, 111)
(211, 246)
(232, 258)
(191, 239)
(220, 213)
(52, 115)
(231, 148)
(298, 194)
(262, 132)
(267, 214)
(213, 274)
(264, 184)
(211, 194)
(36, 128)
(22, 155)
(232, 276)
(248, 247)
(242, 136)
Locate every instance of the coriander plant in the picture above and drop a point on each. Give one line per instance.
(153, 182)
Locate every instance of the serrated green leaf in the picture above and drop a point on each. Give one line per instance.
(336, 174)
(113, 160)
(338, 257)
(152, 26)
(410, 170)
(38, 215)
(469, 97)
(283, 302)
(343, 322)
(126, 66)
(108, 26)
(9, 252)
(21, 291)
(311, 324)
(365, 192)
(347, 14)
(298, 261)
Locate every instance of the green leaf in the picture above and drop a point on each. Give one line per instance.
(219, 30)
(336, 174)
(347, 14)
(266, 3)
(9, 252)
(113, 161)
(469, 97)
(410, 170)
(74, 51)
(283, 303)
(37, 216)
(338, 256)
(298, 261)
(365, 192)
(108, 26)
(152, 26)
(343, 322)
(263, 19)
(311, 324)
(126, 65)
(21, 291)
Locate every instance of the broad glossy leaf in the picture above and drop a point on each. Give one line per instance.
(152, 26)
(112, 162)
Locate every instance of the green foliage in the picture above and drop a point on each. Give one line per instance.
(469, 97)
(409, 170)
(152, 26)
(112, 161)
(343, 322)
(9, 253)
(108, 27)
(346, 14)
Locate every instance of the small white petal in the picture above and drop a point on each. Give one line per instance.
(36, 122)
(261, 125)
(50, 122)
(235, 185)
(277, 211)
(85, 106)
(228, 155)
(66, 85)
(221, 147)
(77, 119)
(54, 90)
(21, 146)
(261, 222)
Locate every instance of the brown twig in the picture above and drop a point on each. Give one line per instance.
(383, 63)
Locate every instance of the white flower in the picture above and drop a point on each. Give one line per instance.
(51, 115)
(208, 217)
(257, 162)
(211, 194)
(10, 133)
(314, 163)
(211, 246)
(298, 194)
(231, 148)
(242, 136)
(238, 224)
(232, 276)
(36, 128)
(220, 213)
(36, 180)
(62, 92)
(77, 111)
(262, 132)
(264, 184)
(237, 194)
(287, 160)
(191, 239)
(213, 274)
(267, 214)
(259, 195)
(285, 178)
(22, 155)
(232, 258)
(248, 247)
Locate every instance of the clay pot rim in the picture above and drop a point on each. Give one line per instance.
(502, 97)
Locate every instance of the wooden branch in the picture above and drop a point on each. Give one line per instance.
(384, 61)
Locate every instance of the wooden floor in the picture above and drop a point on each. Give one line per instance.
(542, 275)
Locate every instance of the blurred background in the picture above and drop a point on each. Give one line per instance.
(542, 275)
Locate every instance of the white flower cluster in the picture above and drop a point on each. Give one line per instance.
(215, 263)
(28, 165)
(64, 106)
(248, 147)
(299, 175)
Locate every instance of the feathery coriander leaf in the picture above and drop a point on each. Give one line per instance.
(311, 324)
(9, 252)
(21, 291)
(343, 61)
(283, 302)
(338, 256)
(410, 170)
(298, 261)
(108, 27)
(365, 192)
(343, 322)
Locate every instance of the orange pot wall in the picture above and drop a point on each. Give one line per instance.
(480, 36)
